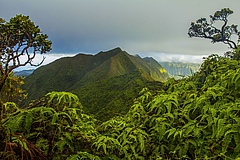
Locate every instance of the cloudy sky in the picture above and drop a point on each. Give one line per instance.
(156, 28)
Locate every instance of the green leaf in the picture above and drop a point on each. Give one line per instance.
(55, 117)
(230, 131)
(103, 145)
(236, 137)
(142, 143)
(221, 128)
(73, 157)
(68, 135)
(28, 121)
(189, 127)
(171, 132)
(226, 141)
(192, 142)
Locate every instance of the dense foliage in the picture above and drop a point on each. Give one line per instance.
(192, 118)
(114, 96)
(197, 117)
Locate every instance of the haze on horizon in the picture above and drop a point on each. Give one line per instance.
(156, 28)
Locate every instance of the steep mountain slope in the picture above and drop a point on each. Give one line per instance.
(159, 71)
(63, 73)
(105, 82)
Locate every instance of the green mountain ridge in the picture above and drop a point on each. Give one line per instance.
(106, 81)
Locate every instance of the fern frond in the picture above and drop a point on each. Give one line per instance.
(28, 121)
(63, 100)
(42, 144)
(83, 155)
(74, 157)
(14, 124)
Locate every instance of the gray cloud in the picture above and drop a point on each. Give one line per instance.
(137, 26)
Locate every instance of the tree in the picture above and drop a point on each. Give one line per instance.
(203, 29)
(20, 41)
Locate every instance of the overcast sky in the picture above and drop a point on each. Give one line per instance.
(156, 28)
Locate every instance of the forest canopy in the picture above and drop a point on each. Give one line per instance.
(196, 117)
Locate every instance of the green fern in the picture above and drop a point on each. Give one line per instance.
(14, 123)
(83, 156)
(28, 121)
(42, 144)
(63, 100)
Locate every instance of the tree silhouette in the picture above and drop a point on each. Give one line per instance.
(201, 28)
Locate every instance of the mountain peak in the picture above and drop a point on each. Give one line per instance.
(112, 51)
(103, 55)
(117, 49)
(150, 60)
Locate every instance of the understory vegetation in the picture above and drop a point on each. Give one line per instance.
(197, 117)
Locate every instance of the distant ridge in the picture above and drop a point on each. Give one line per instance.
(114, 72)
(179, 69)
(24, 73)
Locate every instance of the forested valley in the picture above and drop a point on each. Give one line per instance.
(195, 117)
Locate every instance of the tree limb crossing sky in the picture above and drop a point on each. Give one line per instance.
(156, 28)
